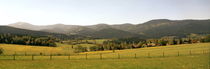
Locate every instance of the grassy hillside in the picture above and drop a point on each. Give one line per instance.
(152, 29)
(10, 49)
(171, 51)
(18, 31)
(199, 58)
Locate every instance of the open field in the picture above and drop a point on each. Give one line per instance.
(171, 50)
(181, 62)
(97, 41)
(162, 51)
(10, 49)
(186, 56)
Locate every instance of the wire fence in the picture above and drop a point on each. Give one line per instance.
(102, 56)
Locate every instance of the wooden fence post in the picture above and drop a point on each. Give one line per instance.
(14, 57)
(50, 56)
(32, 57)
(178, 53)
(86, 56)
(135, 56)
(163, 54)
(69, 57)
(190, 52)
(25, 53)
(149, 54)
(118, 55)
(101, 56)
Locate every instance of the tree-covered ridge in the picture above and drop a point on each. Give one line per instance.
(27, 40)
(18, 31)
(152, 29)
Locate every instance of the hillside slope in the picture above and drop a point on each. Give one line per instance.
(17, 31)
(152, 29)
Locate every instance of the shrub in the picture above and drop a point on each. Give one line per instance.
(80, 49)
(93, 48)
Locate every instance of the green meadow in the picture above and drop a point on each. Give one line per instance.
(181, 62)
(185, 56)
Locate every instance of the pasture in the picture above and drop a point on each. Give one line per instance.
(10, 49)
(181, 62)
(185, 56)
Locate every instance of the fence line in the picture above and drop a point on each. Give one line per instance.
(119, 56)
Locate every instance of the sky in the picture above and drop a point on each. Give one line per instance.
(90, 12)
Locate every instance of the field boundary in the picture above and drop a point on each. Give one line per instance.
(99, 56)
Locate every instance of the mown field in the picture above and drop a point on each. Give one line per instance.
(186, 56)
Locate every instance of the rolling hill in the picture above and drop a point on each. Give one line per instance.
(17, 31)
(151, 29)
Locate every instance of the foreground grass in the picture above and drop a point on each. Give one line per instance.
(191, 56)
(181, 62)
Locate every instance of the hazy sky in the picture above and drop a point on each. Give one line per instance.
(89, 12)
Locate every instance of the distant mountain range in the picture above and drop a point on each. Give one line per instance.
(151, 29)
(18, 31)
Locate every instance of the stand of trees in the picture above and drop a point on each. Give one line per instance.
(27, 40)
(80, 49)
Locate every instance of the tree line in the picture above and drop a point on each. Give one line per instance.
(27, 40)
(130, 43)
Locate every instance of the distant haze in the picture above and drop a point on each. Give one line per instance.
(90, 12)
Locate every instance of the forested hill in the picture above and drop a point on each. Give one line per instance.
(151, 29)
(17, 31)
(164, 27)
